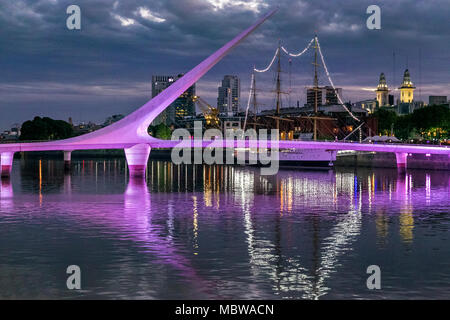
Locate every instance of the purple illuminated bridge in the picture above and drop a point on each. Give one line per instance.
(131, 134)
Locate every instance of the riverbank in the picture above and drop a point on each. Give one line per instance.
(387, 160)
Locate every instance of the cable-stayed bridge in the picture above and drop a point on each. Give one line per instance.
(131, 134)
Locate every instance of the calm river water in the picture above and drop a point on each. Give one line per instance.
(226, 232)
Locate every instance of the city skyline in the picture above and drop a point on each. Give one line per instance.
(113, 75)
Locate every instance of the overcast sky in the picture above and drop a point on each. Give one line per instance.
(106, 67)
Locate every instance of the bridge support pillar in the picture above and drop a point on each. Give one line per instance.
(137, 158)
(67, 160)
(401, 160)
(6, 164)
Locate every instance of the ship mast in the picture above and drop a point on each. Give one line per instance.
(290, 82)
(278, 90)
(254, 102)
(316, 88)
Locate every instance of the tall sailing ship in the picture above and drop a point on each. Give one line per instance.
(298, 158)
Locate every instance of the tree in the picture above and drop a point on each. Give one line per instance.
(386, 119)
(431, 121)
(45, 129)
(432, 116)
(161, 131)
(403, 127)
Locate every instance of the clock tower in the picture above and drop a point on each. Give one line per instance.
(407, 89)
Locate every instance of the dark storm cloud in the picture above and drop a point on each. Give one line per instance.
(106, 67)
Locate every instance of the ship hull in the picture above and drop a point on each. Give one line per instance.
(307, 158)
(298, 158)
(306, 164)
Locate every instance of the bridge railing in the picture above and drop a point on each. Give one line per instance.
(23, 141)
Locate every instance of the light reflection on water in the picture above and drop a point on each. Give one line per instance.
(222, 232)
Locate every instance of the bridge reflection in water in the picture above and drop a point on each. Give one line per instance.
(221, 231)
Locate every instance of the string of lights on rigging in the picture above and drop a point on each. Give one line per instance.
(249, 99)
(332, 84)
(296, 55)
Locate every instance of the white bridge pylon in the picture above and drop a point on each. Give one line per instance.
(130, 132)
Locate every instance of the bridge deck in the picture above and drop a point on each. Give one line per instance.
(283, 144)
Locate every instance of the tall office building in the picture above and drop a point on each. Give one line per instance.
(325, 96)
(331, 95)
(159, 83)
(229, 95)
(311, 96)
(436, 100)
(183, 106)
